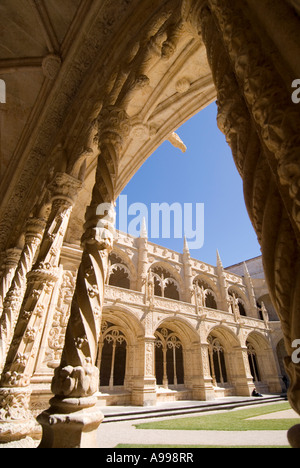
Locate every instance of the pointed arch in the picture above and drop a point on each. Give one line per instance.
(209, 291)
(167, 281)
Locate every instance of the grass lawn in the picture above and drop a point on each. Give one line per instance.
(230, 421)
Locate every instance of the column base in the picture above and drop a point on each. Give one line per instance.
(71, 423)
(16, 421)
(244, 387)
(16, 434)
(144, 392)
(203, 393)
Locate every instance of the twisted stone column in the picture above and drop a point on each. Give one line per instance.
(72, 420)
(9, 268)
(16, 421)
(266, 151)
(34, 232)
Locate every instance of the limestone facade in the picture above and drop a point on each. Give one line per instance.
(172, 328)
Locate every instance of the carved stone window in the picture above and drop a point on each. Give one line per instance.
(253, 362)
(217, 362)
(112, 356)
(119, 274)
(205, 296)
(165, 285)
(169, 367)
(237, 303)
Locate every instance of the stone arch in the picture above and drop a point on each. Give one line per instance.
(226, 335)
(169, 365)
(189, 340)
(112, 355)
(225, 360)
(127, 323)
(181, 326)
(126, 318)
(262, 363)
(272, 314)
(209, 289)
(241, 298)
(158, 269)
(119, 275)
(128, 264)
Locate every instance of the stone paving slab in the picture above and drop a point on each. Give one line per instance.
(112, 434)
(288, 414)
(124, 432)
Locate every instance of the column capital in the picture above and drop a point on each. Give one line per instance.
(64, 187)
(113, 124)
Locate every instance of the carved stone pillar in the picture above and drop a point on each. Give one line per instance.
(243, 379)
(73, 419)
(9, 268)
(34, 233)
(266, 150)
(17, 422)
(143, 259)
(203, 387)
(144, 389)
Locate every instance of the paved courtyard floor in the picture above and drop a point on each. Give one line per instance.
(112, 434)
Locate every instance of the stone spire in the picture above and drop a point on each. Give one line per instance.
(222, 283)
(188, 271)
(186, 249)
(144, 233)
(219, 261)
(250, 290)
(143, 258)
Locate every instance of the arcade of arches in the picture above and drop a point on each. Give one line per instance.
(92, 89)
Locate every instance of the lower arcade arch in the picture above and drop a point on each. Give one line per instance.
(117, 349)
(169, 367)
(113, 356)
(262, 363)
(224, 360)
(175, 342)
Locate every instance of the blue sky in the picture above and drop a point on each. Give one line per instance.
(205, 174)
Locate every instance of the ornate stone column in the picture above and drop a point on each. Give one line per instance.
(243, 379)
(144, 389)
(16, 421)
(73, 419)
(143, 259)
(34, 233)
(207, 390)
(10, 264)
(261, 123)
